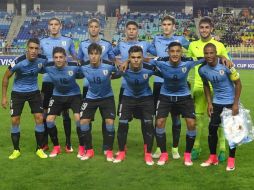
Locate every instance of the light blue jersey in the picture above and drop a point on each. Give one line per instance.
(26, 73)
(175, 77)
(123, 47)
(64, 79)
(223, 87)
(107, 52)
(47, 45)
(137, 82)
(99, 80)
(160, 43)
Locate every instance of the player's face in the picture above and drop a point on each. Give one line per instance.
(131, 32)
(175, 54)
(54, 27)
(205, 30)
(94, 29)
(32, 51)
(95, 58)
(59, 59)
(210, 55)
(167, 27)
(136, 59)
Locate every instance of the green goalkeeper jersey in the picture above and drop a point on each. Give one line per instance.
(196, 50)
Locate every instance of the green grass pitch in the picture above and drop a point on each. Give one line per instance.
(67, 172)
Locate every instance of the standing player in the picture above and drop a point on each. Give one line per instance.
(196, 50)
(55, 39)
(122, 48)
(107, 54)
(160, 44)
(66, 94)
(25, 88)
(99, 95)
(175, 96)
(137, 96)
(227, 89)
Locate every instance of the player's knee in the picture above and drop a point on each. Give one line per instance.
(38, 118)
(160, 123)
(191, 124)
(15, 121)
(85, 121)
(109, 121)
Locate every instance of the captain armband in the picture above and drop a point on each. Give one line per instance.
(234, 74)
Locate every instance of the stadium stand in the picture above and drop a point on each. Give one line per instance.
(5, 22)
(149, 25)
(74, 25)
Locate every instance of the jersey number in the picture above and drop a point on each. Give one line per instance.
(63, 80)
(97, 80)
(136, 82)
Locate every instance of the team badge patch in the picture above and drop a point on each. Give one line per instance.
(221, 72)
(184, 69)
(64, 43)
(39, 65)
(70, 73)
(105, 72)
(145, 76)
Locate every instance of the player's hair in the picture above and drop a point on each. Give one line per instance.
(131, 22)
(134, 49)
(207, 20)
(54, 18)
(90, 21)
(94, 47)
(59, 50)
(33, 40)
(210, 45)
(172, 44)
(170, 18)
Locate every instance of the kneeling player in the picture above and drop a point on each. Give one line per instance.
(227, 89)
(66, 93)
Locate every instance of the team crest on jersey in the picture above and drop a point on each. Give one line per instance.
(184, 69)
(145, 76)
(221, 72)
(64, 43)
(103, 48)
(70, 73)
(39, 65)
(105, 72)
